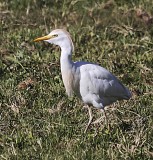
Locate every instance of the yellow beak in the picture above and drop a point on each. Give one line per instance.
(43, 38)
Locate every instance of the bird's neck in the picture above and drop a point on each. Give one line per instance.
(66, 70)
(66, 59)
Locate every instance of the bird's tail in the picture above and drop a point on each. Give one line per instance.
(128, 94)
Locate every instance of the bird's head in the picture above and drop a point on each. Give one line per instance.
(58, 37)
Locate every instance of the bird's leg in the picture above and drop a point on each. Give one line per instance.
(107, 123)
(90, 117)
(101, 118)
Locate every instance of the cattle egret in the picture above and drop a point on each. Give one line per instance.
(93, 84)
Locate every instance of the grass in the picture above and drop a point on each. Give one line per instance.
(37, 119)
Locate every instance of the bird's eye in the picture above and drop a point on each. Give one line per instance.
(55, 35)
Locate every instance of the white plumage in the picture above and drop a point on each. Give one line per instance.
(93, 84)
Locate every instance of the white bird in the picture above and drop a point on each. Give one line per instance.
(92, 83)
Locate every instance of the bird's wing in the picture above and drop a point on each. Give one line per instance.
(103, 83)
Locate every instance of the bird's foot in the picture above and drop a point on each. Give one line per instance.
(99, 120)
(103, 118)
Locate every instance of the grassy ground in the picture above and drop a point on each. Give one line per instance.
(37, 119)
